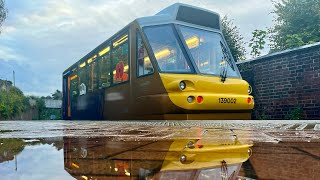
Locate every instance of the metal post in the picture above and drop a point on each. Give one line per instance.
(14, 79)
(16, 162)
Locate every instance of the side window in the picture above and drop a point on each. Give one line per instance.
(104, 65)
(83, 81)
(144, 65)
(92, 73)
(120, 59)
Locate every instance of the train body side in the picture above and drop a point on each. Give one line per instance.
(157, 95)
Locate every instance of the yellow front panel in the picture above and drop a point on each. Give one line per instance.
(208, 156)
(211, 89)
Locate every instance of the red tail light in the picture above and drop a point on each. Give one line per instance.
(249, 100)
(199, 99)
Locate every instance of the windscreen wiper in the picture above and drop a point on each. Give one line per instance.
(227, 58)
(223, 73)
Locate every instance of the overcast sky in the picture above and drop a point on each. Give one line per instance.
(41, 38)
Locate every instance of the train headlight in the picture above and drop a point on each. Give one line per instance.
(249, 89)
(182, 85)
(190, 99)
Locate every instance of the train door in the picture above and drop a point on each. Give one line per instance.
(65, 92)
(72, 94)
(68, 103)
(146, 84)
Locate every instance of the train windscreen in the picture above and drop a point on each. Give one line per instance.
(206, 48)
(167, 50)
(208, 51)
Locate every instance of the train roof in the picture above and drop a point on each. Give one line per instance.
(176, 13)
(183, 13)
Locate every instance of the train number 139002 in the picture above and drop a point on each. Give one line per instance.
(227, 100)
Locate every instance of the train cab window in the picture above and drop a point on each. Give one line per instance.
(144, 65)
(83, 80)
(104, 65)
(92, 73)
(120, 59)
(207, 52)
(167, 50)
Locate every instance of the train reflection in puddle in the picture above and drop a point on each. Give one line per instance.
(104, 158)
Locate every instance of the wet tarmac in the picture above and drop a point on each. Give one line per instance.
(159, 150)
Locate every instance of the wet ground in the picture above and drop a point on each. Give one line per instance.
(160, 150)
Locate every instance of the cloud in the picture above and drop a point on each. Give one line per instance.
(8, 54)
(49, 36)
(47, 163)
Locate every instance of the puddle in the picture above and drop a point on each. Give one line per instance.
(130, 151)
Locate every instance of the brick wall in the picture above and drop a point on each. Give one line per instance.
(286, 160)
(286, 85)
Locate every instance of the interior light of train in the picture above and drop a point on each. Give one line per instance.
(104, 51)
(192, 42)
(82, 65)
(75, 165)
(120, 41)
(204, 63)
(127, 173)
(161, 54)
(91, 59)
(73, 77)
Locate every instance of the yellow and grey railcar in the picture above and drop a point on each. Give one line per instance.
(173, 65)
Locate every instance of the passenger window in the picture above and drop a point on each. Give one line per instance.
(83, 82)
(144, 65)
(93, 73)
(120, 59)
(104, 65)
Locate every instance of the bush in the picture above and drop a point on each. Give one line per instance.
(295, 114)
(12, 103)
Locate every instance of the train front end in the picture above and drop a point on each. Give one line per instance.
(195, 65)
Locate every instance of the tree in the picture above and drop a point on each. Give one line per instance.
(257, 42)
(57, 95)
(3, 13)
(297, 23)
(40, 105)
(233, 38)
(12, 103)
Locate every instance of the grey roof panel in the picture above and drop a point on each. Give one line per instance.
(171, 13)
